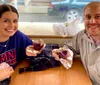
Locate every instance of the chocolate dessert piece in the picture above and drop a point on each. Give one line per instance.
(38, 44)
(62, 53)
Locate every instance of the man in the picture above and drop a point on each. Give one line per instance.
(86, 43)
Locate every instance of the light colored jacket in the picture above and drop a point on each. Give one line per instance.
(90, 54)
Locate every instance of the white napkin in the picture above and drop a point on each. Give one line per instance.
(4, 65)
(65, 63)
(60, 29)
(68, 29)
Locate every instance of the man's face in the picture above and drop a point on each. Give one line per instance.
(92, 20)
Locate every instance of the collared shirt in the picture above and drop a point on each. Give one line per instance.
(89, 52)
(97, 43)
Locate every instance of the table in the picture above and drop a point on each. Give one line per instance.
(76, 75)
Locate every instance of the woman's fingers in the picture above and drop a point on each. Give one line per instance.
(30, 51)
(6, 73)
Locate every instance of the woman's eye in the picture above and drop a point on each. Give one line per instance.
(16, 21)
(6, 21)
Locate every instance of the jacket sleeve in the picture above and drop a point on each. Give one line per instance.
(73, 45)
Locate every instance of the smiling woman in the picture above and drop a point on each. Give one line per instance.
(13, 43)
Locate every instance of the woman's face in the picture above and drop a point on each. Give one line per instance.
(8, 24)
(92, 20)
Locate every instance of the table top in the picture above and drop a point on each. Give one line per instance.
(76, 75)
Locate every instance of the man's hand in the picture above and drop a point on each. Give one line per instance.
(55, 55)
(65, 56)
(62, 53)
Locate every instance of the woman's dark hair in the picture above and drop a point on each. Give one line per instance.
(6, 7)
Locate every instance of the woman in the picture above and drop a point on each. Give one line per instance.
(12, 42)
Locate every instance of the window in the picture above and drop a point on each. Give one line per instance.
(48, 10)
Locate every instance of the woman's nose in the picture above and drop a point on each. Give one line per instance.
(11, 24)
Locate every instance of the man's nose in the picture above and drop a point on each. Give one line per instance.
(92, 20)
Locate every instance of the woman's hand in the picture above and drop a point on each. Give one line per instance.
(36, 48)
(30, 51)
(6, 73)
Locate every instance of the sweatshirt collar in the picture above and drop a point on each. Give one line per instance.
(89, 38)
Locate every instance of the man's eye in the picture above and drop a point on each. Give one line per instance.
(87, 17)
(97, 17)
